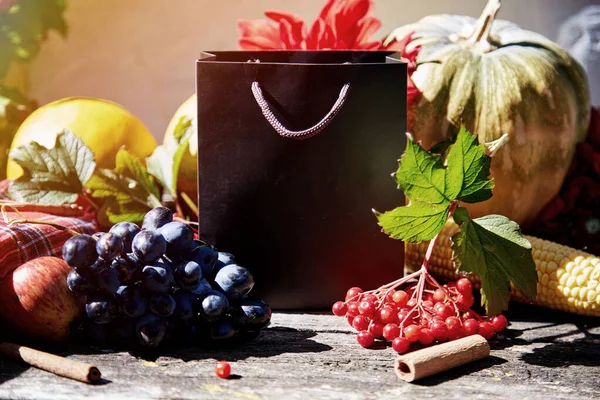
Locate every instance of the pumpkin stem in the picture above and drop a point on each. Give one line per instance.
(481, 33)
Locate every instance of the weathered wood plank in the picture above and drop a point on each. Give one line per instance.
(304, 356)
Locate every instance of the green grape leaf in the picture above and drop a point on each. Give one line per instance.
(132, 167)
(52, 176)
(414, 223)
(125, 198)
(493, 248)
(468, 170)
(165, 161)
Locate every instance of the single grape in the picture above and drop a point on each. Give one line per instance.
(126, 231)
(206, 256)
(235, 281)
(464, 286)
(223, 369)
(109, 246)
(81, 283)
(148, 246)
(80, 251)
(214, 305)
(98, 235)
(361, 322)
(202, 288)
(339, 308)
(223, 260)
(400, 345)
(365, 338)
(391, 331)
(499, 322)
(426, 336)
(132, 301)
(470, 327)
(101, 309)
(108, 280)
(367, 308)
(222, 331)
(411, 333)
(128, 268)
(376, 328)
(400, 297)
(256, 314)
(98, 266)
(188, 275)
(157, 278)
(185, 307)
(162, 305)
(352, 293)
(156, 218)
(178, 236)
(486, 329)
(150, 330)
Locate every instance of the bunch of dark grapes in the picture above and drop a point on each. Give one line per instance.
(158, 284)
(424, 313)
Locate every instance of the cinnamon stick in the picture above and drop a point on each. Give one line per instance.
(442, 357)
(86, 373)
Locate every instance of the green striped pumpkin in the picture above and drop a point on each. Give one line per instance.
(497, 78)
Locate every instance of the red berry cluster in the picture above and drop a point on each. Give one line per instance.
(425, 312)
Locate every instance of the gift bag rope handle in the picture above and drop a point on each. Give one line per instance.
(306, 133)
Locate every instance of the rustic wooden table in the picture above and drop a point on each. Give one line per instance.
(544, 355)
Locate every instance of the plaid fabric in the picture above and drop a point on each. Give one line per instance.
(20, 243)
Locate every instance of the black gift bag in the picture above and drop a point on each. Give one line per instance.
(295, 149)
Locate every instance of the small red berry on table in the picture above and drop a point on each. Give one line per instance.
(223, 369)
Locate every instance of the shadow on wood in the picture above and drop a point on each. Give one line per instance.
(10, 370)
(564, 354)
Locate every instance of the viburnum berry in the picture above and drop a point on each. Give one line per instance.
(466, 300)
(486, 329)
(360, 323)
(463, 285)
(411, 333)
(353, 292)
(400, 297)
(391, 331)
(388, 314)
(339, 308)
(352, 309)
(471, 327)
(439, 295)
(439, 330)
(367, 308)
(445, 312)
(426, 336)
(499, 323)
(400, 345)
(365, 339)
(223, 369)
(376, 328)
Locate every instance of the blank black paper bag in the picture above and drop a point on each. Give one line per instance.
(295, 149)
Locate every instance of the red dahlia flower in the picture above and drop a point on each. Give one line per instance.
(341, 25)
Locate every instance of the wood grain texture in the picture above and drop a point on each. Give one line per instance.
(306, 356)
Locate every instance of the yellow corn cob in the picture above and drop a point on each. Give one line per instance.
(567, 278)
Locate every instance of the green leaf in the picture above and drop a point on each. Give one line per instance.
(126, 199)
(52, 176)
(468, 170)
(421, 175)
(131, 167)
(414, 223)
(165, 161)
(493, 248)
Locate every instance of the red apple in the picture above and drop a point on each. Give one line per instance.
(35, 299)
